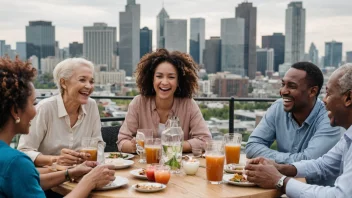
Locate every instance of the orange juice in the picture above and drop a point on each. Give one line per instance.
(162, 176)
(141, 143)
(152, 153)
(232, 152)
(93, 153)
(214, 167)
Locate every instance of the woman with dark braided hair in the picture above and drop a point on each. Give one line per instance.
(167, 82)
(18, 176)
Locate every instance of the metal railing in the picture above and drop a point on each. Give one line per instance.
(231, 101)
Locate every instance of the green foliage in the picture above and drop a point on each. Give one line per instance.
(217, 113)
(122, 102)
(44, 81)
(132, 93)
(274, 145)
(101, 109)
(252, 105)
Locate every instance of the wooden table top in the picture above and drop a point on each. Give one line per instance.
(178, 186)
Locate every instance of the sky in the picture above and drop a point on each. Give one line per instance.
(326, 20)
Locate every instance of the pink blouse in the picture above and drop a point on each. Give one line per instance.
(142, 114)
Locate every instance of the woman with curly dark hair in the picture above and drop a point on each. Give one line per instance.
(167, 82)
(19, 177)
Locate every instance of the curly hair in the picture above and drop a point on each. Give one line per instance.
(314, 75)
(186, 71)
(15, 89)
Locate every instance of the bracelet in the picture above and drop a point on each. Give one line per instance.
(67, 176)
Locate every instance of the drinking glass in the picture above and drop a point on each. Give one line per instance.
(233, 147)
(214, 160)
(152, 148)
(150, 171)
(162, 174)
(141, 135)
(90, 145)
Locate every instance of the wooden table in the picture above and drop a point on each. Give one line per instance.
(178, 186)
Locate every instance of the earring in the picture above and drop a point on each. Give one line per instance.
(18, 120)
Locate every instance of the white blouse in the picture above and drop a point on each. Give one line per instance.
(50, 130)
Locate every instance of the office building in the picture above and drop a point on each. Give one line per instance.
(333, 54)
(40, 39)
(313, 54)
(21, 50)
(76, 49)
(176, 35)
(295, 29)
(160, 28)
(232, 45)
(349, 57)
(197, 41)
(265, 60)
(246, 11)
(146, 36)
(129, 43)
(212, 55)
(276, 42)
(98, 44)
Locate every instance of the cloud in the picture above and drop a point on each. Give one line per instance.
(325, 20)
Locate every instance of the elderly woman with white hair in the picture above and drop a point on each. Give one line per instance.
(64, 119)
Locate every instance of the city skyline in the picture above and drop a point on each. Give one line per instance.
(321, 16)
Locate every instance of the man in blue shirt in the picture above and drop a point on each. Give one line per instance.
(336, 163)
(298, 122)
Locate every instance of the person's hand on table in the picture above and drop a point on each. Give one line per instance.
(69, 157)
(265, 176)
(100, 176)
(79, 171)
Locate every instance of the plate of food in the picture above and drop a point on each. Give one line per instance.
(118, 182)
(119, 163)
(115, 155)
(139, 173)
(237, 179)
(149, 187)
(234, 168)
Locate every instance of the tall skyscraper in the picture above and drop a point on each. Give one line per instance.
(160, 28)
(212, 55)
(246, 11)
(176, 35)
(98, 44)
(146, 36)
(295, 30)
(232, 45)
(277, 42)
(76, 49)
(21, 49)
(197, 41)
(2, 47)
(265, 60)
(349, 56)
(40, 39)
(333, 54)
(129, 45)
(313, 54)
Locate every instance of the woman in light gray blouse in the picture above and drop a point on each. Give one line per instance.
(64, 119)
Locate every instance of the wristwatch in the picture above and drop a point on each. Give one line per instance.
(280, 183)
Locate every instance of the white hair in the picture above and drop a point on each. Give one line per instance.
(64, 69)
(345, 82)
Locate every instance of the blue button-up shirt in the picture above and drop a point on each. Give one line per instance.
(311, 140)
(337, 162)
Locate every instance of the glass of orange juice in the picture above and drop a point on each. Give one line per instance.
(141, 135)
(152, 147)
(162, 174)
(233, 147)
(214, 160)
(90, 145)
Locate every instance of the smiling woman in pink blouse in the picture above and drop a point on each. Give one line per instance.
(167, 82)
(64, 119)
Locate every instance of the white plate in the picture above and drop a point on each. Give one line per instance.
(119, 163)
(227, 178)
(136, 174)
(160, 187)
(129, 155)
(230, 168)
(118, 182)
